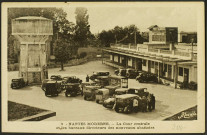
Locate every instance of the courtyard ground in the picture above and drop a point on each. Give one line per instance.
(169, 101)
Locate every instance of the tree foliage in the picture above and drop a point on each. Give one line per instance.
(82, 30)
(124, 35)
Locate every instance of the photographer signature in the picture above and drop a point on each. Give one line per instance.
(186, 115)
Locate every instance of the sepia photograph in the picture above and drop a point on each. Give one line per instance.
(118, 67)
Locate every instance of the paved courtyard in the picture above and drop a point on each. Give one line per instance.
(169, 101)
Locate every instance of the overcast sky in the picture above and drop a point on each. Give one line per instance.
(105, 18)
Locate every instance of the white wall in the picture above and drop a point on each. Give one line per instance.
(130, 62)
(116, 58)
(111, 57)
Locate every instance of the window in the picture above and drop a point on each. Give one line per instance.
(165, 68)
(180, 71)
(144, 62)
(158, 37)
(152, 64)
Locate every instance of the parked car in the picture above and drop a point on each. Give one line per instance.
(56, 77)
(43, 86)
(109, 103)
(101, 95)
(72, 89)
(90, 92)
(97, 74)
(102, 81)
(138, 91)
(18, 83)
(52, 88)
(124, 103)
(71, 79)
(132, 73)
(147, 77)
(122, 72)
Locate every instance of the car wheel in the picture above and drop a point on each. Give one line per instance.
(117, 109)
(97, 101)
(84, 97)
(46, 95)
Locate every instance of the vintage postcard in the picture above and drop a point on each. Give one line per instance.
(103, 67)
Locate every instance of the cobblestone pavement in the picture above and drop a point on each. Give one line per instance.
(169, 101)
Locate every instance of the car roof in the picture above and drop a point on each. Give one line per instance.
(18, 78)
(121, 89)
(137, 88)
(71, 84)
(124, 96)
(111, 86)
(103, 77)
(51, 81)
(103, 89)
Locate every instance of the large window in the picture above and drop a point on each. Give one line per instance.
(165, 68)
(180, 71)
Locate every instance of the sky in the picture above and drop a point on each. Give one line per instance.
(107, 17)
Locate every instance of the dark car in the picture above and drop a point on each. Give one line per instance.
(52, 88)
(124, 103)
(56, 77)
(97, 74)
(147, 77)
(18, 83)
(44, 84)
(72, 89)
(71, 79)
(132, 73)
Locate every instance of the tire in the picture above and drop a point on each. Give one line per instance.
(97, 101)
(66, 94)
(84, 97)
(46, 95)
(117, 109)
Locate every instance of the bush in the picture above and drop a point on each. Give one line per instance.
(83, 54)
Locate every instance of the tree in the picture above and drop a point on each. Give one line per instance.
(61, 52)
(82, 30)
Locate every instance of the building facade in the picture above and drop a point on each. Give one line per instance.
(172, 63)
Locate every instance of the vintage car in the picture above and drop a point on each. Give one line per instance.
(56, 77)
(138, 91)
(89, 92)
(72, 89)
(132, 73)
(147, 77)
(97, 74)
(102, 81)
(109, 103)
(124, 103)
(122, 72)
(44, 84)
(52, 88)
(18, 83)
(101, 95)
(71, 79)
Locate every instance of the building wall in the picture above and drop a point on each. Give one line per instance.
(129, 61)
(111, 57)
(116, 58)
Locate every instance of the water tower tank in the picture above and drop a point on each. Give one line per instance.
(34, 34)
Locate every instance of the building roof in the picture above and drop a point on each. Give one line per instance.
(31, 18)
(151, 27)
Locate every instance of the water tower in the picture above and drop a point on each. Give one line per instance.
(34, 34)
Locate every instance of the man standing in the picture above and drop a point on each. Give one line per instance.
(135, 105)
(144, 104)
(87, 78)
(153, 101)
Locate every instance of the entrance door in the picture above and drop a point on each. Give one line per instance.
(169, 71)
(186, 75)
